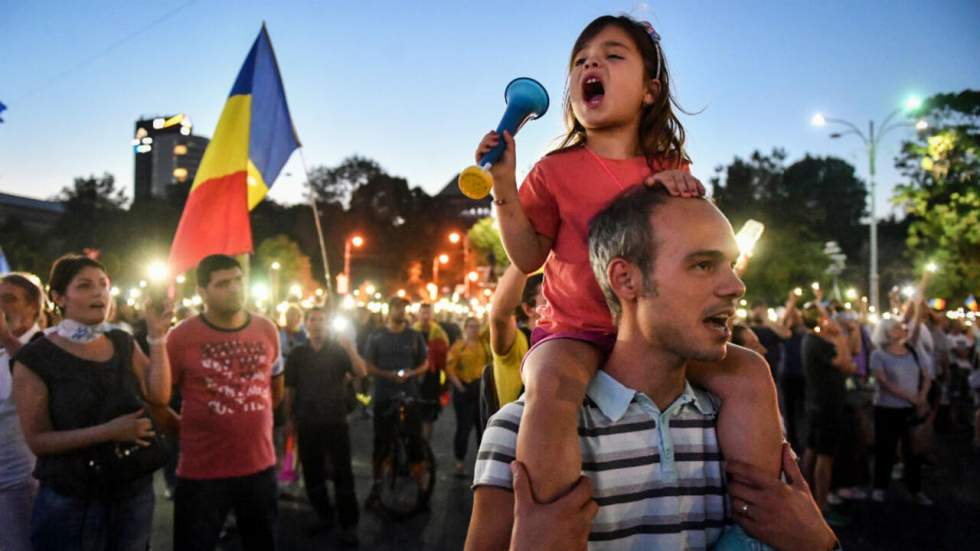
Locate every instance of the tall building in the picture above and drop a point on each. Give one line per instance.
(165, 153)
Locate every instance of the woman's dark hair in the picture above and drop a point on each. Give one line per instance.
(31, 286)
(661, 132)
(66, 268)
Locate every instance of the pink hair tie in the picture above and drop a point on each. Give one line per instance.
(654, 35)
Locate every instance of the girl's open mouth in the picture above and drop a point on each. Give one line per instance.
(593, 91)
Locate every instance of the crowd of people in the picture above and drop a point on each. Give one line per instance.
(859, 395)
(650, 414)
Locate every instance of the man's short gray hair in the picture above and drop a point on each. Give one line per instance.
(623, 230)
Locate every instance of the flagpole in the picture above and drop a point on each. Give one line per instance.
(319, 229)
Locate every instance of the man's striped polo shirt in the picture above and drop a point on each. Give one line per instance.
(656, 476)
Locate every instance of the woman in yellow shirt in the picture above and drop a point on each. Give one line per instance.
(464, 366)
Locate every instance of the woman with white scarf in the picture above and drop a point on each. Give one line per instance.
(62, 385)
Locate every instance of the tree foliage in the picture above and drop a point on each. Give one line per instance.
(484, 237)
(294, 265)
(93, 209)
(942, 194)
(803, 205)
(338, 184)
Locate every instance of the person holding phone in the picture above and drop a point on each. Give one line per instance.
(62, 383)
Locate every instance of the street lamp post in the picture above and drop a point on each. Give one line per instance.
(274, 279)
(463, 240)
(356, 241)
(441, 259)
(871, 141)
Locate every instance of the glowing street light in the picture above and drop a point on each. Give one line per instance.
(260, 291)
(355, 241)
(932, 267)
(157, 271)
(871, 142)
(454, 238)
(276, 265)
(441, 259)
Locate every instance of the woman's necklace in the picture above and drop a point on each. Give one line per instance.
(605, 168)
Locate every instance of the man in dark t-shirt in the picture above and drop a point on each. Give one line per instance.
(316, 374)
(826, 363)
(395, 356)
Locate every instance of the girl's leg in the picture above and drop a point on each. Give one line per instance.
(748, 422)
(556, 374)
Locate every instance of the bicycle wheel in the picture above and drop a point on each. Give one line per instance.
(406, 487)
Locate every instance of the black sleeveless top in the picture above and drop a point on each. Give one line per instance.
(78, 392)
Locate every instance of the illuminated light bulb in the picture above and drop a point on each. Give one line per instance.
(157, 271)
(340, 324)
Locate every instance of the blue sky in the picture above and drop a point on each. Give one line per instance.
(414, 85)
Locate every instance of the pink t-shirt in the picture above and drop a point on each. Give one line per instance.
(560, 196)
(224, 377)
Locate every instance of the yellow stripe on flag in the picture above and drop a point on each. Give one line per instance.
(228, 151)
(256, 186)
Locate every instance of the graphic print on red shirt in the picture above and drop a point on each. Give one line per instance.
(236, 376)
(224, 377)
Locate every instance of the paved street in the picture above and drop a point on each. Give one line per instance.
(442, 528)
(954, 521)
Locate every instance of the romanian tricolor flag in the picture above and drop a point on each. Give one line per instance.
(253, 140)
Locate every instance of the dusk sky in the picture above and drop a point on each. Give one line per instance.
(414, 85)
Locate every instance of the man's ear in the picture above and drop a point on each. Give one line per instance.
(625, 280)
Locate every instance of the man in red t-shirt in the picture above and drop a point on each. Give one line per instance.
(227, 367)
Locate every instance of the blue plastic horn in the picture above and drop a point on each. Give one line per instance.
(526, 100)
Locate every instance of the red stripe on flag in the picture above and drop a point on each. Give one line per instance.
(215, 221)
